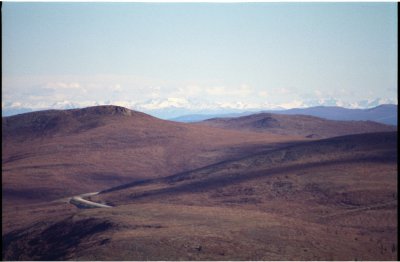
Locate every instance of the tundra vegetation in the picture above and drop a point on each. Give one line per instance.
(258, 187)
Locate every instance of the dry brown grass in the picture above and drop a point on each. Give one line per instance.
(199, 193)
(299, 125)
(72, 157)
(182, 232)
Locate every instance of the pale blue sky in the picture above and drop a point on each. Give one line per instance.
(243, 55)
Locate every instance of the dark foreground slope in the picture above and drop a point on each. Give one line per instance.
(58, 153)
(333, 199)
(299, 125)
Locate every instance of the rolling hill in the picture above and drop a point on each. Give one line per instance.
(330, 199)
(385, 114)
(298, 125)
(259, 187)
(59, 153)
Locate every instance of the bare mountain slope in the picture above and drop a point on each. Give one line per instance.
(53, 154)
(194, 191)
(299, 125)
(332, 199)
(356, 149)
(341, 188)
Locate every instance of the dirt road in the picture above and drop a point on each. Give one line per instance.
(80, 202)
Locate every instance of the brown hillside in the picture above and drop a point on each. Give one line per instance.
(353, 149)
(53, 154)
(299, 125)
(332, 199)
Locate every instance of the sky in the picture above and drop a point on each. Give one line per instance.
(177, 58)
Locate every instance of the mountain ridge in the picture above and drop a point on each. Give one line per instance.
(96, 147)
(300, 125)
(191, 191)
(385, 113)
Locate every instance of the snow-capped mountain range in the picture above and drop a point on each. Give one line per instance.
(181, 109)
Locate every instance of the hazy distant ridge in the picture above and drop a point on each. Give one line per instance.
(386, 114)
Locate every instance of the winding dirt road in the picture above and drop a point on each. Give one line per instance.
(80, 202)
